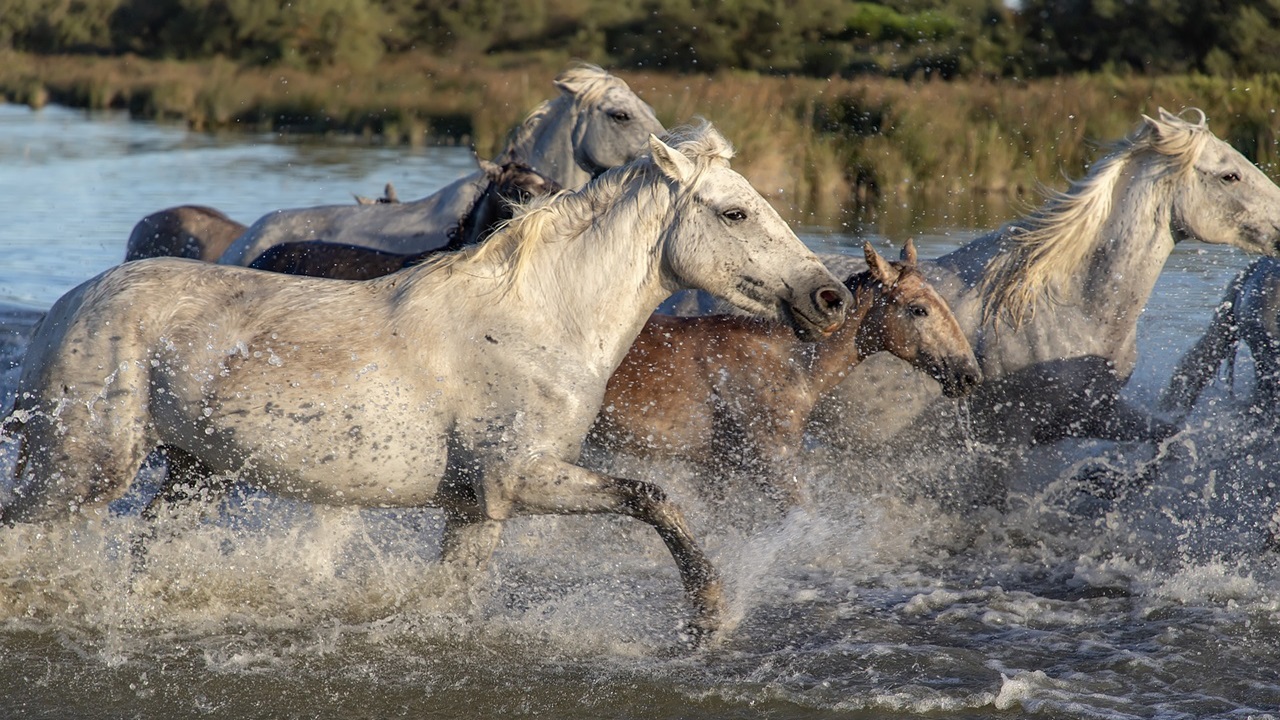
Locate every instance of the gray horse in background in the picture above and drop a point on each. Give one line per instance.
(1250, 311)
(595, 123)
(508, 187)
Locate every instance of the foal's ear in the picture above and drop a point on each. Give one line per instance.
(490, 169)
(880, 268)
(908, 256)
(670, 161)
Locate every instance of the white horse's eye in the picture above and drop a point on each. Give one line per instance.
(734, 215)
(620, 116)
(1231, 177)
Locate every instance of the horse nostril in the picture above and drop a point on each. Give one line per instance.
(829, 300)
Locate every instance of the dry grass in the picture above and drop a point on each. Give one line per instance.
(825, 151)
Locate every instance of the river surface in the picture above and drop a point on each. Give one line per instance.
(870, 606)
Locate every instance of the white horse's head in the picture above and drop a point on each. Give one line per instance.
(1222, 197)
(726, 239)
(611, 123)
(1178, 174)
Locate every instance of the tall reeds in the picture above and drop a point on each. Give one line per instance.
(825, 151)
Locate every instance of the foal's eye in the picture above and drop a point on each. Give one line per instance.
(918, 310)
(1231, 177)
(620, 116)
(734, 215)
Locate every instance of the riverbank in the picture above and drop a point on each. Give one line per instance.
(827, 151)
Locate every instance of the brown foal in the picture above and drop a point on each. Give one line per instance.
(728, 390)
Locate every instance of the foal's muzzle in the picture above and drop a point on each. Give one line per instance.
(958, 378)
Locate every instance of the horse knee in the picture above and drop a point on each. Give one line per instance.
(641, 498)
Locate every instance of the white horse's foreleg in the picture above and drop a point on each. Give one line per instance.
(551, 486)
(466, 547)
(1202, 361)
(468, 543)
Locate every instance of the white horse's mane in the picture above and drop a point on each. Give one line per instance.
(568, 213)
(587, 83)
(1051, 245)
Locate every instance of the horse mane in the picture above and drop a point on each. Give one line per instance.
(512, 245)
(587, 83)
(1050, 246)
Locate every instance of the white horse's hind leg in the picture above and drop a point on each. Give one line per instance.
(553, 487)
(70, 461)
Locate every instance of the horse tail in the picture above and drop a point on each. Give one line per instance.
(1201, 363)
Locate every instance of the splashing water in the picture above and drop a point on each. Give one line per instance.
(899, 593)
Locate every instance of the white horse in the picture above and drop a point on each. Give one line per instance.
(1051, 303)
(1250, 311)
(596, 123)
(467, 383)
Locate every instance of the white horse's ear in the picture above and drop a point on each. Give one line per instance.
(880, 268)
(568, 86)
(670, 161)
(1169, 121)
(1157, 126)
(908, 256)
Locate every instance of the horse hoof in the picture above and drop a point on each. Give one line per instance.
(699, 634)
(708, 627)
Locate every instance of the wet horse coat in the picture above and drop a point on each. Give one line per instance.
(467, 383)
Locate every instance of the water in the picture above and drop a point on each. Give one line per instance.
(1161, 606)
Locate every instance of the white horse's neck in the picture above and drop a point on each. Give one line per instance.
(1131, 249)
(547, 147)
(601, 309)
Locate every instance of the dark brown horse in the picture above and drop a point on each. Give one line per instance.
(727, 389)
(186, 231)
(509, 184)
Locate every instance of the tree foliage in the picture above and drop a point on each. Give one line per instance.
(1220, 37)
(812, 37)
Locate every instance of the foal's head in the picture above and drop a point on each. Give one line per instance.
(911, 320)
(508, 185)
